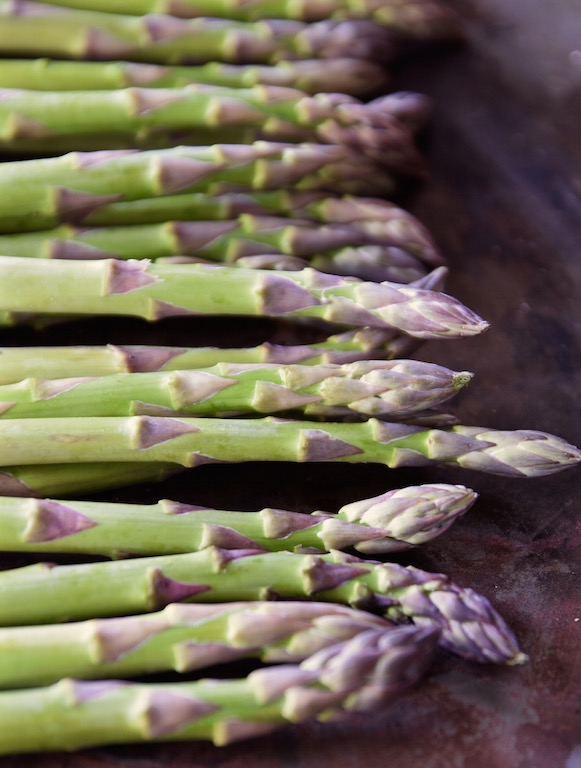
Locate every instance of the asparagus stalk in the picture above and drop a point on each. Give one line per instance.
(422, 18)
(401, 239)
(336, 246)
(355, 77)
(30, 29)
(189, 442)
(374, 263)
(356, 675)
(469, 625)
(74, 479)
(365, 262)
(169, 116)
(221, 238)
(397, 389)
(154, 291)
(375, 217)
(42, 193)
(396, 520)
(184, 638)
(17, 363)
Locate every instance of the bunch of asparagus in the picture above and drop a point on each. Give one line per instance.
(120, 232)
(175, 206)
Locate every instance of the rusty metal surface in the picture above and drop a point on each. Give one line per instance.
(504, 202)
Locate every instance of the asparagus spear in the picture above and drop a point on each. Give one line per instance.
(169, 116)
(189, 442)
(154, 291)
(374, 216)
(73, 479)
(227, 241)
(30, 29)
(353, 76)
(209, 225)
(470, 627)
(422, 18)
(42, 193)
(181, 637)
(397, 389)
(396, 520)
(356, 675)
(374, 263)
(17, 363)
(365, 262)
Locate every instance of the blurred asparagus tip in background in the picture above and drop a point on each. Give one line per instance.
(355, 77)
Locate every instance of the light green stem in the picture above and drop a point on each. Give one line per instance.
(377, 219)
(395, 520)
(422, 18)
(351, 76)
(75, 479)
(17, 363)
(153, 291)
(397, 389)
(31, 29)
(189, 442)
(339, 249)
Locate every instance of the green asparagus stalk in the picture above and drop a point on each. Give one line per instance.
(17, 363)
(43, 193)
(383, 342)
(189, 442)
(170, 116)
(353, 76)
(470, 627)
(228, 241)
(376, 218)
(397, 389)
(154, 291)
(184, 638)
(374, 263)
(357, 675)
(365, 262)
(30, 29)
(396, 520)
(223, 239)
(74, 479)
(422, 18)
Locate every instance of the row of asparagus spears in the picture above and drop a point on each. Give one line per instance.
(260, 31)
(114, 231)
(202, 112)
